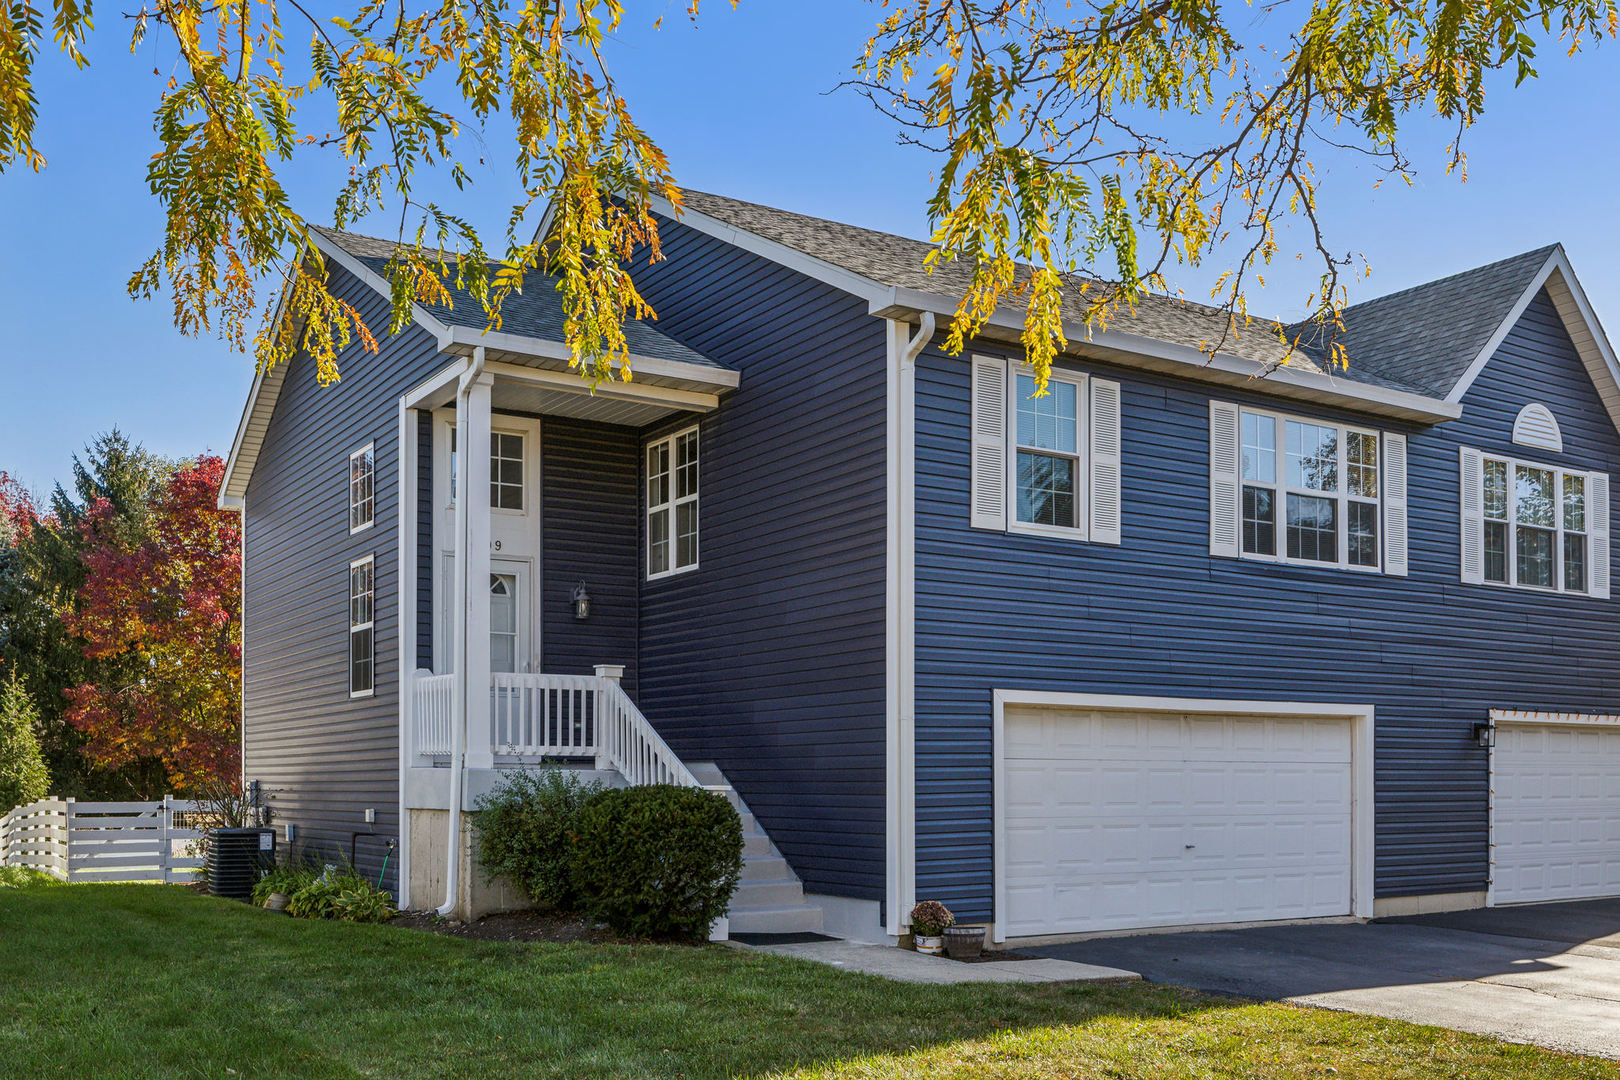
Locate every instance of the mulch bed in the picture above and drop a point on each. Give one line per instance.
(509, 926)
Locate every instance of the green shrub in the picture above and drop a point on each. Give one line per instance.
(657, 861)
(331, 894)
(24, 877)
(525, 828)
(23, 775)
(287, 878)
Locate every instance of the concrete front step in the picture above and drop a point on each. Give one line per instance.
(761, 894)
(788, 919)
(765, 867)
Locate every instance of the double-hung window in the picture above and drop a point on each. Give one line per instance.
(1534, 526)
(1313, 492)
(362, 613)
(672, 504)
(362, 488)
(1046, 464)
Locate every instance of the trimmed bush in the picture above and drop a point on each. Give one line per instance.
(525, 833)
(659, 861)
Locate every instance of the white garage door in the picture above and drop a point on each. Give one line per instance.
(1115, 820)
(1556, 823)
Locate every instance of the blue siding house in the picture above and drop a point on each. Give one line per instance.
(1185, 641)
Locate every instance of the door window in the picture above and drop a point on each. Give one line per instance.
(503, 622)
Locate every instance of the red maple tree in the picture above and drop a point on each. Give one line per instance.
(166, 615)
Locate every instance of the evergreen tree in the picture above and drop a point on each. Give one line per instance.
(23, 776)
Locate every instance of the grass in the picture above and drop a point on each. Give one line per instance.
(148, 981)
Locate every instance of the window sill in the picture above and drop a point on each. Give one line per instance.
(1051, 532)
(672, 573)
(1309, 564)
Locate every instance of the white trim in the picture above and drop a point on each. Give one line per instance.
(1081, 457)
(672, 505)
(1135, 350)
(370, 451)
(334, 251)
(409, 453)
(1361, 769)
(1594, 551)
(1521, 716)
(1282, 490)
(354, 627)
(438, 389)
(640, 393)
(460, 339)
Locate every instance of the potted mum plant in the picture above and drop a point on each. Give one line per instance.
(928, 922)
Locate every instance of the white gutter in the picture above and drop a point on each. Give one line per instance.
(458, 718)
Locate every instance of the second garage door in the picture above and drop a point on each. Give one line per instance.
(1116, 819)
(1555, 826)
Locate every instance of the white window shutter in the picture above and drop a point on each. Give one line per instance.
(1105, 436)
(1225, 487)
(1395, 533)
(1472, 502)
(989, 467)
(1597, 536)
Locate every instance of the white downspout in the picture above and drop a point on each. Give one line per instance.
(458, 717)
(902, 639)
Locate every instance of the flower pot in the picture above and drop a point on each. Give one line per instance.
(933, 945)
(277, 901)
(964, 942)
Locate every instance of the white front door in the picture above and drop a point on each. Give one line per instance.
(1116, 819)
(1555, 828)
(507, 652)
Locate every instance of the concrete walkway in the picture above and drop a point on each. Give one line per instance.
(914, 967)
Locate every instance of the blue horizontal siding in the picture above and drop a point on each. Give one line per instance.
(1157, 615)
(768, 659)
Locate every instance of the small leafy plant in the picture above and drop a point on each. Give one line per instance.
(330, 893)
(287, 879)
(930, 918)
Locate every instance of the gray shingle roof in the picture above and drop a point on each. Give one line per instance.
(1420, 340)
(1427, 336)
(536, 312)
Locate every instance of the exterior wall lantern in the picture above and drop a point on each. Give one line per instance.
(582, 602)
(1485, 736)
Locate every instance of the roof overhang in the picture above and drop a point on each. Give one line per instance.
(699, 383)
(1580, 321)
(1135, 350)
(1115, 346)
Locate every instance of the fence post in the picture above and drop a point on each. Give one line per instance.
(66, 854)
(165, 845)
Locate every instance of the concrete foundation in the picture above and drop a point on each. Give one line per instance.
(476, 895)
(1431, 904)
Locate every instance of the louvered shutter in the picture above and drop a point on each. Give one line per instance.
(989, 495)
(1105, 436)
(1472, 502)
(1597, 537)
(1225, 487)
(1395, 503)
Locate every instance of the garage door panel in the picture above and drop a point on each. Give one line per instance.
(1170, 819)
(1556, 813)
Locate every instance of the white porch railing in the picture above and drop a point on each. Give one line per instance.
(540, 716)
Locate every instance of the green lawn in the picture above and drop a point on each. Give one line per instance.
(153, 981)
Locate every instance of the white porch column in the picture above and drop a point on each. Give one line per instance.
(473, 439)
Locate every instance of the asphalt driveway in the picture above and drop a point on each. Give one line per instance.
(1547, 974)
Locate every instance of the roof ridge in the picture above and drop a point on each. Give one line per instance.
(1545, 251)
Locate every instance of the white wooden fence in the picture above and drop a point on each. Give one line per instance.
(104, 841)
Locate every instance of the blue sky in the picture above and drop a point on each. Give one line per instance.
(742, 104)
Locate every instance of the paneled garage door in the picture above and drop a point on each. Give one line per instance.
(1556, 819)
(1115, 819)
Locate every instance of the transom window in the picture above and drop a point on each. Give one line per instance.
(1535, 526)
(362, 645)
(362, 488)
(1046, 448)
(672, 504)
(505, 470)
(1319, 503)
